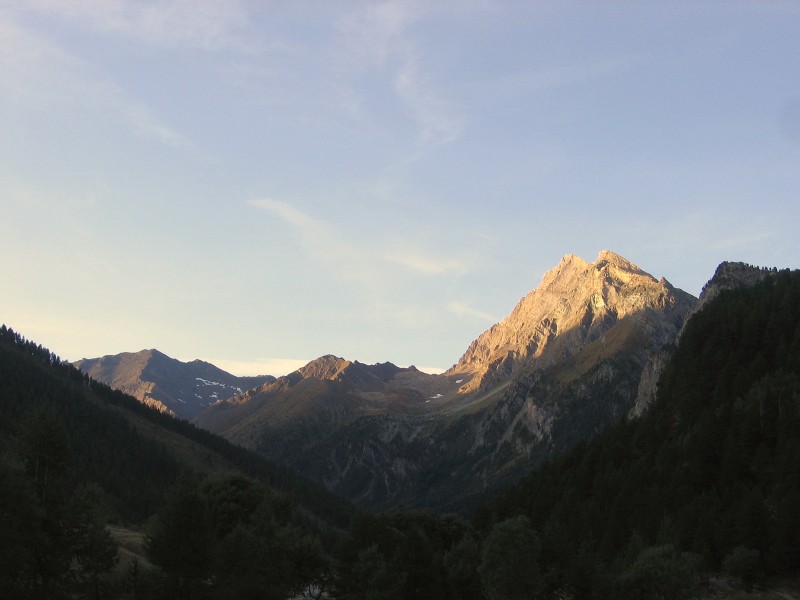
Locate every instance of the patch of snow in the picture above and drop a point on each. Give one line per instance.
(459, 380)
(207, 382)
(436, 396)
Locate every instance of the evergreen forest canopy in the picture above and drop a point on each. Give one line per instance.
(708, 480)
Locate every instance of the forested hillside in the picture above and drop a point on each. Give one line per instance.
(76, 456)
(708, 479)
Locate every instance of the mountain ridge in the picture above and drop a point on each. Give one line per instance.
(579, 352)
(525, 390)
(182, 389)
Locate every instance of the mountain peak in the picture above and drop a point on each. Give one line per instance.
(572, 258)
(575, 303)
(612, 258)
(324, 367)
(179, 388)
(604, 257)
(731, 275)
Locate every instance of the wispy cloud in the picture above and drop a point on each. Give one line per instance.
(140, 118)
(438, 119)
(428, 265)
(306, 225)
(27, 60)
(322, 244)
(378, 38)
(358, 260)
(463, 309)
(374, 34)
(43, 76)
(208, 24)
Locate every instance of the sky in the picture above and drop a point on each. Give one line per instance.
(258, 183)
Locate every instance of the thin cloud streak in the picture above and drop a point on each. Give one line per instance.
(427, 265)
(318, 240)
(350, 259)
(307, 226)
(43, 75)
(463, 309)
(376, 39)
(206, 24)
(437, 118)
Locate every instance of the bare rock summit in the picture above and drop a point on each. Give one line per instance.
(575, 304)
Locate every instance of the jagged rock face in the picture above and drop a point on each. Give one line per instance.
(575, 304)
(169, 385)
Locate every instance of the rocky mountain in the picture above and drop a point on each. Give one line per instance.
(575, 304)
(169, 385)
(285, 416)
(569, 360)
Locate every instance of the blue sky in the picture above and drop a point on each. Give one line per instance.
(259, 183)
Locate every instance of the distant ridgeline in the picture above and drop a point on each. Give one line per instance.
(712, 468)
